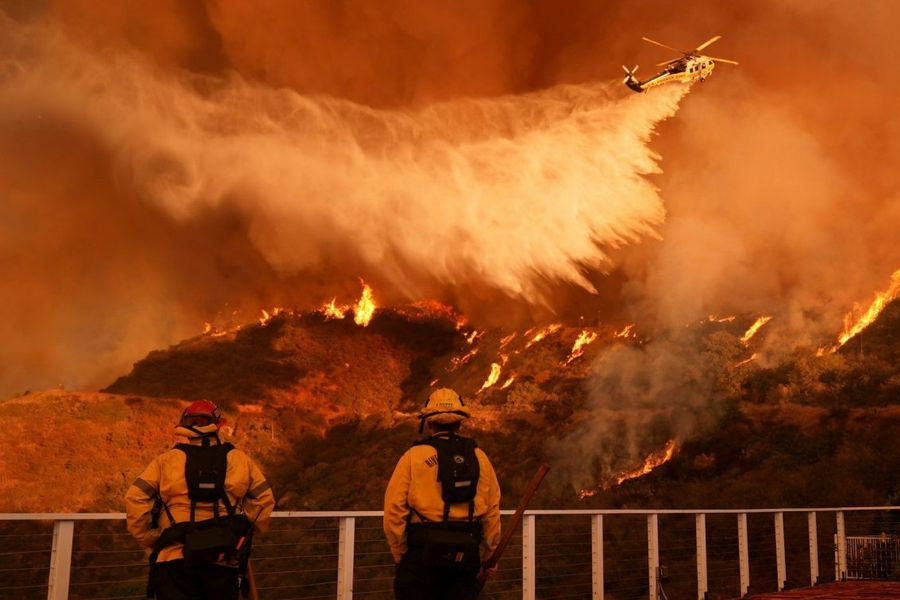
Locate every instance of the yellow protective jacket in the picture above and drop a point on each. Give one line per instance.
(245, 485)
(415, 484)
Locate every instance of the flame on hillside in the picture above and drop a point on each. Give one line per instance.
(542, 333)
(578, 348)
(748, 335)
(857, 320)
(333, 311)
(508, 382)
(626, 332)
(458, 361)
(362, 310)
(493, 377)
(508, 339)
(746, 361)
(653, 460)
(268, 316)
(365, 307)
(718, 319)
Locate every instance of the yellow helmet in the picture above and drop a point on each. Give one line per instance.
(443, 406)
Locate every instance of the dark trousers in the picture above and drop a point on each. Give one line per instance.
(174, 580)
(415, 581)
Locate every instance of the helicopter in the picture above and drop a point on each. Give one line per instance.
(689, 67)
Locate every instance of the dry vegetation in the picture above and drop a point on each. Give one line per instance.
(326, 407)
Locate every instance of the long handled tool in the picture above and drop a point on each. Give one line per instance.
(513, 525)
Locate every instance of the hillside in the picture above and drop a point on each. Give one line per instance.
(326, 406)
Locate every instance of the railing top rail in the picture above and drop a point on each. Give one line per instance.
(377, 513)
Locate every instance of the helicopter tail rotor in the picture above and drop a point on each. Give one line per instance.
(629, 73)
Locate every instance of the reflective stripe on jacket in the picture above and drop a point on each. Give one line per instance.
(165, 476)
(415, 484)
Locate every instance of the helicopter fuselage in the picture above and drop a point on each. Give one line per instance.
(684, 70)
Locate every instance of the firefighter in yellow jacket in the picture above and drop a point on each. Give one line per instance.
(441, 508)
(195, 507)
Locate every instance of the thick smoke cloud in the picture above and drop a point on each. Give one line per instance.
(505, 193)
(778, 182)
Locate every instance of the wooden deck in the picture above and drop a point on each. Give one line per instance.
(844, 590)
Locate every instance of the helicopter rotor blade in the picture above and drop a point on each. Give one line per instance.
(724, 60)
(711, 40)
(646, 39)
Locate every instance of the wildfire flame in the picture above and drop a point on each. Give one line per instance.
(854, 324)
(470, 339)
(746, 361)
(587, 493)
(578, 348)
(207, 328)
(508, 339)
(458, 361)
(748, 335)
(626, 332)
(718, 319)
(333, 311)
(365, 307)
(267, 316)
(653, 460)
(541, 334)
(492, 378)
(508, 382)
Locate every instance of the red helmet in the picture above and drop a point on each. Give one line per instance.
(201, 413)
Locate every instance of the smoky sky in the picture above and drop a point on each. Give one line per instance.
(482, 152)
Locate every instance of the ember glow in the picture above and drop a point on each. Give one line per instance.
(653, 460)
(751, 331)
(578, 348)
(858, 319)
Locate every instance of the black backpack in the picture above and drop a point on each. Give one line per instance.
(452, 545)
(210, 540)
(458, 469)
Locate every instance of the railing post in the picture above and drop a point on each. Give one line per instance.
(743, 553)
(780, 563)
(597, 557)
(528, 574)
(840, 548)
(813, 548)
(61, 560)
(653, 554)
(346, 544)
(702, 576)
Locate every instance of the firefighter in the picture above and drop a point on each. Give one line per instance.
(195, 507)
(442, 508)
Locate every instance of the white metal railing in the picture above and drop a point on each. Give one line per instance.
(63, 537)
